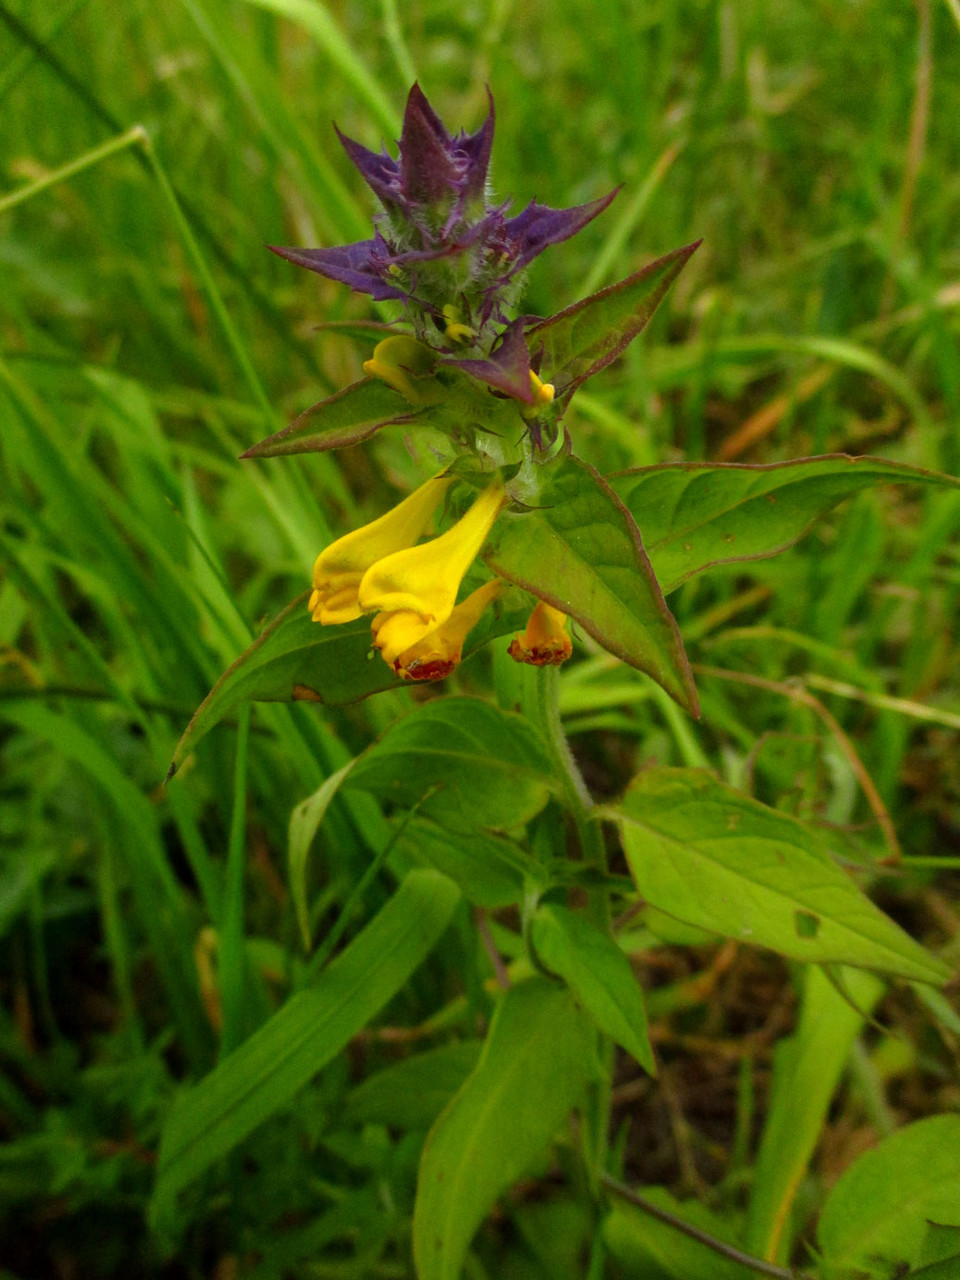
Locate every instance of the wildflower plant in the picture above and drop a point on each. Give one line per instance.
(511, 534)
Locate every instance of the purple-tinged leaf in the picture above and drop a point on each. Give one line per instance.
(695, 515)
(477, 147)
(379, 171)
(428, 168)
(581, 552)
(352, 415)
(539, 226)
(507, 368)
(577, 342)
(361, 265)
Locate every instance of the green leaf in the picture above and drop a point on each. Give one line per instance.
(598, 973)
(715, 858)
(876, 1216)
(807, 1070)
(295, 659)
(696, 515)
(945, 1269)
(489, 869)
(581, 339)
(488, 767)
(305, 820)
(581, 552)
(535, 1063)
(352, 415)
(412, 1093)
(266, 1072)
(648, 1249)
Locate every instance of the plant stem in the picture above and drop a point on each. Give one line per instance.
(540, 703)
(760, 1265)
(540, 700)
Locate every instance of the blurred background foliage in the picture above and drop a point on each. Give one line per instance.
(147, 337)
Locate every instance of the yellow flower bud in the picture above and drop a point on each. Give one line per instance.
(407, 366)
(543, 393)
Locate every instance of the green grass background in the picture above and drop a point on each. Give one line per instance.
(147, 338)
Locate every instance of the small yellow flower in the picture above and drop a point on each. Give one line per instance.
(545, 643)
(416, 588)
(436, 655)
(339, 569)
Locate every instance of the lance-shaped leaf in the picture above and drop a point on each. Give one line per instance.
(599, 975)
(581, 552)
(265, 1073)
(581, 339)
(539, 226)
(353, 414)
(533, 1070)
(294, 659)
(709, 855)
(695, 515)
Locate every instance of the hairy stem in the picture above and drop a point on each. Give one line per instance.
(540, 703)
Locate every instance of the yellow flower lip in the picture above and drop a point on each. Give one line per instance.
(423, 581)
(437, 654)
(545, 642)
(339, 569)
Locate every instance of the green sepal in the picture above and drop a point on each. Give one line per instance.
(580, 551)
(352, 415)
(696, 515)
(581, 339)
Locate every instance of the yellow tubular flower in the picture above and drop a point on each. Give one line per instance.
(436, 655)
(545, 643)
(417, 587)
(339, 569)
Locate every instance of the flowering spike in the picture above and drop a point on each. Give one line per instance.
(339, 568)
(415, 589)
(441, 238)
